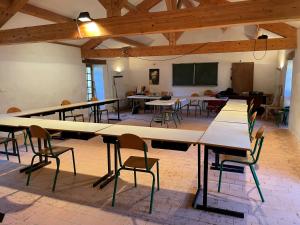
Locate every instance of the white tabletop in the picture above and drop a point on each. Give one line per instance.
(206, 98)
(54, 124)
(227, 135)
(154, 133)
(235, 107)
(165, 102)
(237, 101)
(232, 117)
(143, 97)
(59, 108)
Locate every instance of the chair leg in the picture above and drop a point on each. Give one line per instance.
(107, 116)
(172, 114)
(115, 187)
(73, 157)
(30, 170)
(135, 184)
(100, 116)
(82, 118)
(6, 151)
(17, 148)
(187, 110)
(25, 140)
(157, 174)
(56, 173)
(152, 192)
(257, 183)
(220, 177)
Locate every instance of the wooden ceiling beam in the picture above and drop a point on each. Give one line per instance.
(188, 3)
(249, 12)
(201, 48)
(129, 41)
(129, 6)
(282, 29)
(11, 10)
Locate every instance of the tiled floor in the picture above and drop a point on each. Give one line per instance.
(76, 202)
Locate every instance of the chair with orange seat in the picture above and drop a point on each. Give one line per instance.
(72, 115)
(100, 111)
(136, 163)
(194, 103)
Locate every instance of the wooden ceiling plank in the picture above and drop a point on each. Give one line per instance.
(201, 48)
(188, 3)
(11, 10)
(129, 41)
(252, 12)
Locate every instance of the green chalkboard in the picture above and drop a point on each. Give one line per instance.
(206, 74)
(195, 74)
(183, 74)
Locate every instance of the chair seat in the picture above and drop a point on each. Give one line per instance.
(139, 162)
(237, 159)
(57, 150)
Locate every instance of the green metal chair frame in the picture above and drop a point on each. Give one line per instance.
(72, 115)
(131, 141)
(48, 151)
(249, 161)
(251, 124)
(15, 110)
(5, 141)
(99, 110)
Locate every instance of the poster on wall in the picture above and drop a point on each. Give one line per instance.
(153, 76)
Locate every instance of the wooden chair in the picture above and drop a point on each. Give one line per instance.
(210, 93)
(48, 151)
(250, 160)
(5, 141)
(99, 116)
(72, 115)
(251, 124)
(135, 163)
(194, 103)
(15, 110)
(214, 106)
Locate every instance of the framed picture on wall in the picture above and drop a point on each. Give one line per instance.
(154, 76)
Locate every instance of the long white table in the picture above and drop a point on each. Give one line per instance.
(62, 109)
(235, 107)
(232, 117)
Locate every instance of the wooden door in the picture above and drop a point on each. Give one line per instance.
(242, 77)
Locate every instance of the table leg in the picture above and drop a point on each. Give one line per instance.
(107, 178)
(60, 116)
(204, 205)
(118, 104)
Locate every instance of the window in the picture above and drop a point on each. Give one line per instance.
(89, 82)
(288, 83)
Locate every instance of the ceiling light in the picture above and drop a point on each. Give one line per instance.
(84, 17)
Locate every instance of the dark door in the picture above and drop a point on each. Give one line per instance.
(242, 77)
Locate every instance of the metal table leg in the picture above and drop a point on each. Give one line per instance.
(109, 176)
(204, 206)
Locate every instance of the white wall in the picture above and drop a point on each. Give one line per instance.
(39, 75)
(294, 121)
(265, 73)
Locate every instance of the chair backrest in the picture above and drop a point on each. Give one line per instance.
(94, 99)
(132, 141)
(66, 102)
(13, 110)
(195, 95)
(251, 101)
(40, 134)
(209, 93)
(250, 109)
(259, 137)
(252, 122)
